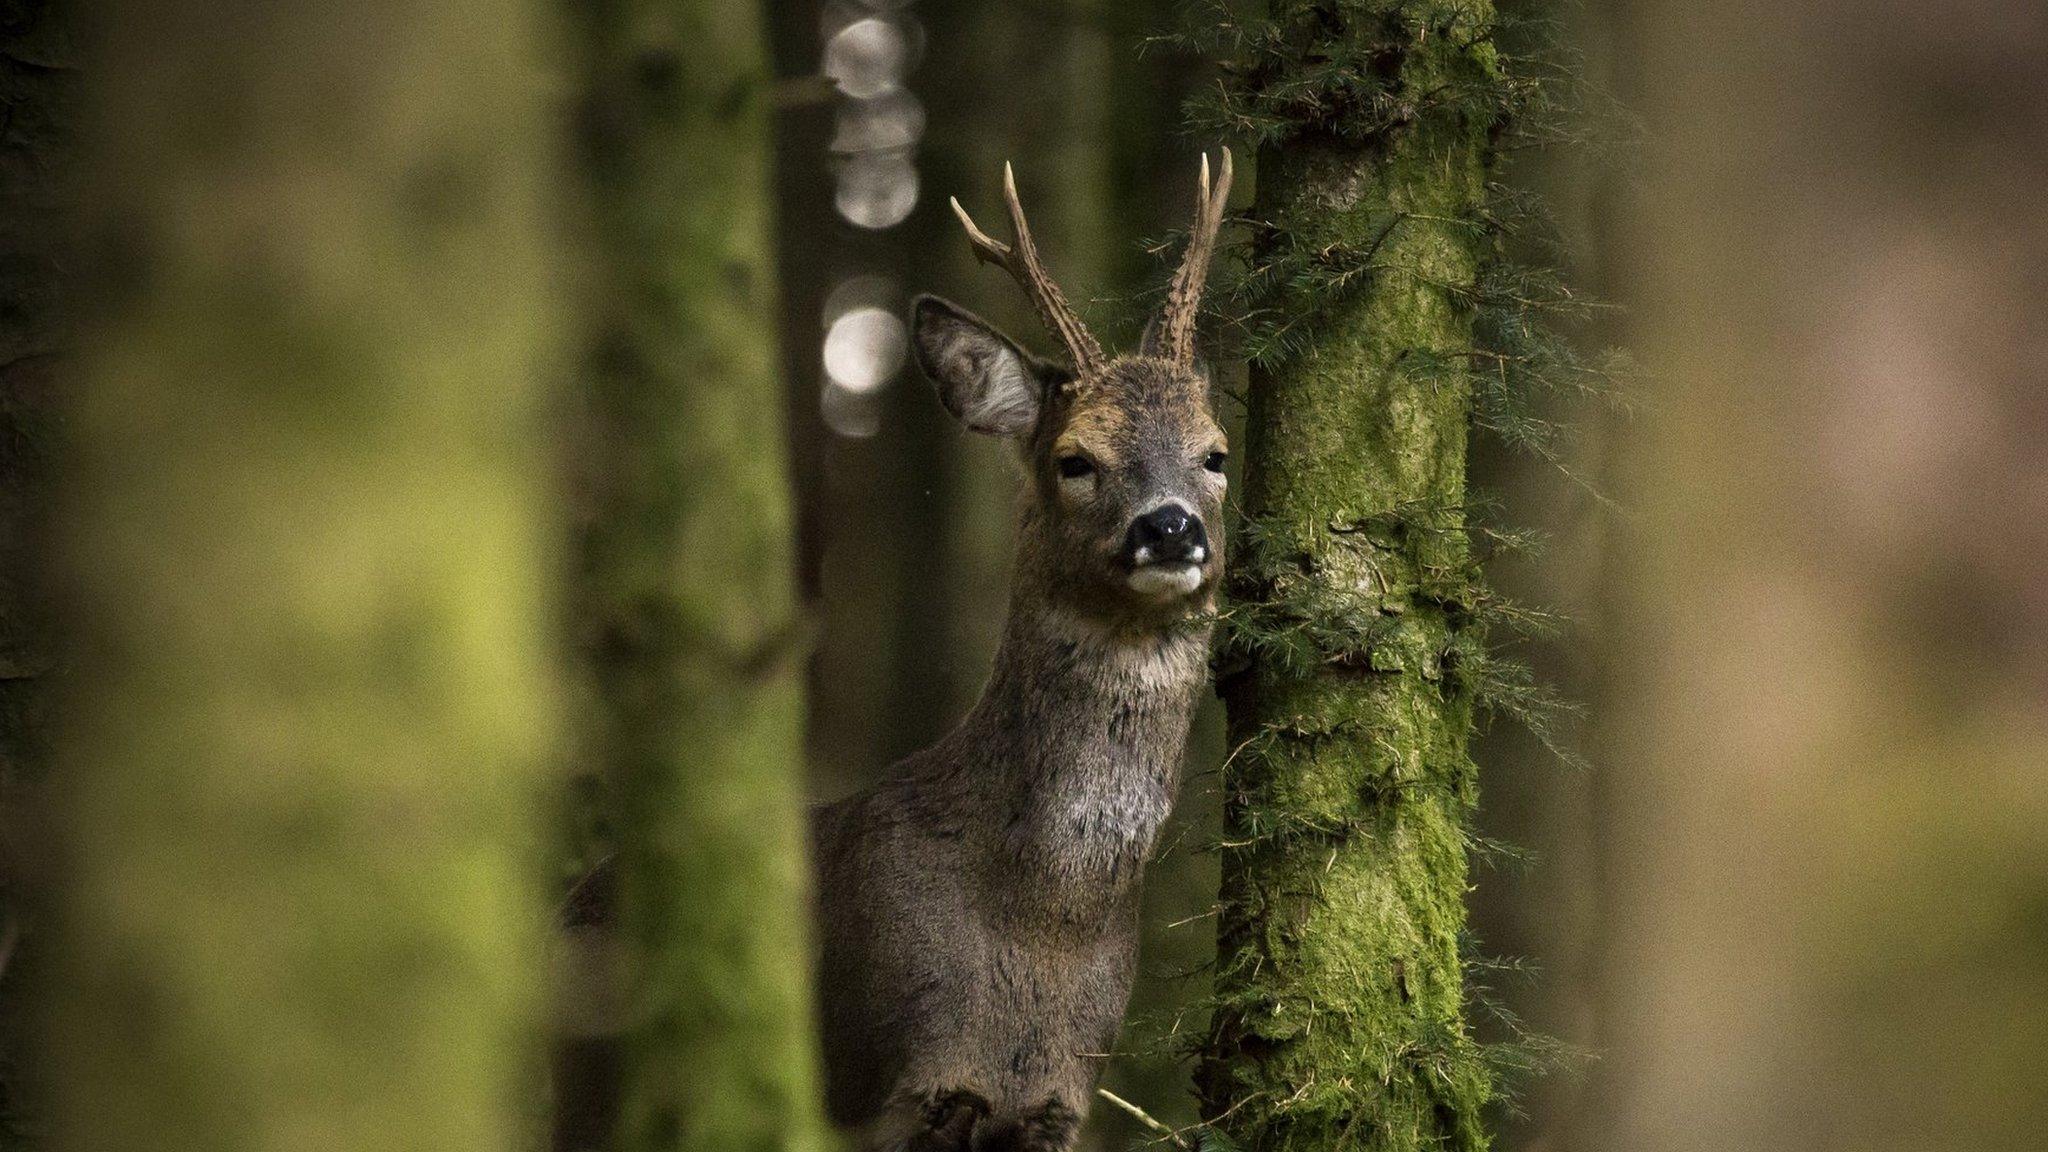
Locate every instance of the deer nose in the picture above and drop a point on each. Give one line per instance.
(1168, 534)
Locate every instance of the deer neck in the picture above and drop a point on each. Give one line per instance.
(1076, 746)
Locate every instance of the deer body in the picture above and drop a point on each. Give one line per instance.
(977, 909)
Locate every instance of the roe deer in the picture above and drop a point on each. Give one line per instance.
(977, 908)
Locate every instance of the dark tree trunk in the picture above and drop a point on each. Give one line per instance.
(38, 98)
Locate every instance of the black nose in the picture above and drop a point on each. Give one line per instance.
(1166, 534)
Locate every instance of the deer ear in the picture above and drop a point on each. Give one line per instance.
(985, 380)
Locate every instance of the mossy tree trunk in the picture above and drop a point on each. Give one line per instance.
(304, 549)
(1350, 690)
(686, 595)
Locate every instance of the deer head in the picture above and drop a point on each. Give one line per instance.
(1122, 509)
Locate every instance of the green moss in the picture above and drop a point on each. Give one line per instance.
(1340, 981)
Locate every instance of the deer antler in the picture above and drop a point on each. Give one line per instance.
(1021, 261)
(1184, 296)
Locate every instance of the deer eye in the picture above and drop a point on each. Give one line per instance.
(1074, 467)
(1215, 461)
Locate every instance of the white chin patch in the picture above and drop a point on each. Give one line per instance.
(1166, 579)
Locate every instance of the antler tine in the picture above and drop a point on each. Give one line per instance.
(987, 248)
(1184, 295)
(1021, 262)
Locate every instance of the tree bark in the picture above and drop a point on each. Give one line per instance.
(686, 594)
(303, 543)
(1339, 985)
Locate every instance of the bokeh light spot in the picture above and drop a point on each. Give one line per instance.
(865, 348)
(867, 57)
(893, 120)
(876, 189)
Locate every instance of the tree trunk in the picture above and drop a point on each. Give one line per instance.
(685, 581)
(38, 90)
(303, 541)
(1350, 685)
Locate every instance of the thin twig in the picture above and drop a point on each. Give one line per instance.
(1165, 1131)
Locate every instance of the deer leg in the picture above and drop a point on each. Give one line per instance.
(930, 1121)
(1050, 1127)
(949, 1122)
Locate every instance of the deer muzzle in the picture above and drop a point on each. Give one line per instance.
(1165, 550)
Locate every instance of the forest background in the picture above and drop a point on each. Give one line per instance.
(1792, 891)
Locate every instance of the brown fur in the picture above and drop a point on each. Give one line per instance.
(977, 908)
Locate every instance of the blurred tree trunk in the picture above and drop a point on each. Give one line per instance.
(687, 605)
(38, 91)
(304, 550)
(1339, 979)
(801, 133)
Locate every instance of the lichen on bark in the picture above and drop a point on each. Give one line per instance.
(1353, 618)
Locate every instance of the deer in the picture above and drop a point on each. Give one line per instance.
(977, 908)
